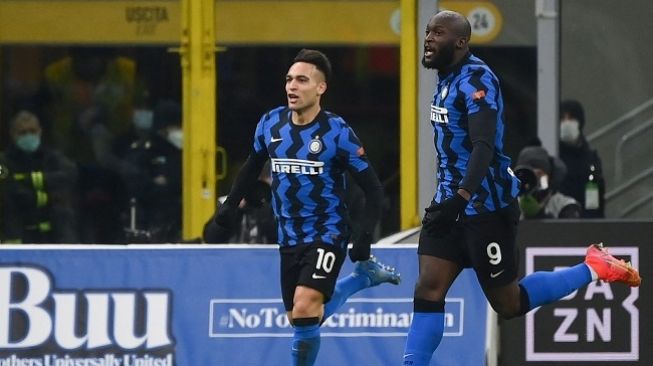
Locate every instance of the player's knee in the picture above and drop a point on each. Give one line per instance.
(429, 290)
(507, 309)
(505, 300)
(304, 308)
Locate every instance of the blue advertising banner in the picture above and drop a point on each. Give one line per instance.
(204, 306)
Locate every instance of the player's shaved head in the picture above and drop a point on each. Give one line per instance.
(456, 22)
(446, 40)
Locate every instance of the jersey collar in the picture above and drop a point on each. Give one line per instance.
(321, 116)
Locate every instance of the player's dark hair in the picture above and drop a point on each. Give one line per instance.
(316, 58)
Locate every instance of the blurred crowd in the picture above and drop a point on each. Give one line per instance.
(96, 161)
(565, 187)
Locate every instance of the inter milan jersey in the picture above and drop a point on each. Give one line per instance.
(470, 88)
(308, 163)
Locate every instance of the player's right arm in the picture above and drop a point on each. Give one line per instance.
(245, 179)
(481, 95)
(247, 176)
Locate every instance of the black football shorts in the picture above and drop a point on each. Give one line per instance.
(485, 242)
(315, 265)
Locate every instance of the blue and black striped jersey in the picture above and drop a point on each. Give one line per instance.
(308, 184)
(470, 88)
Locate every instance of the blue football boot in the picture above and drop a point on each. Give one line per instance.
(377, 272)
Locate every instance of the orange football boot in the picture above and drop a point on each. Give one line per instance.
(609, 268)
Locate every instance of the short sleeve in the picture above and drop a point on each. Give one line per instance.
(480, 90)
(351, 150)
(260, 148)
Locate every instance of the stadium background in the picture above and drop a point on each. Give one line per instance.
(602, 61)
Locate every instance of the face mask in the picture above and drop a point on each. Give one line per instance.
(569, 131)
(29, 142)
(529, 205)
(142, 119)
(176, 137)
(544, 182)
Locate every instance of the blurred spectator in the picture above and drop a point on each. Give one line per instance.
(584, 180)
(89, 97)
(133, 150)
(101, 189)
(541, 175)
(256, 222)
(37, 186)
(151, 156)
(90, 80)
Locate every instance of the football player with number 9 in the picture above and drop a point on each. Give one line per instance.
(472, 220)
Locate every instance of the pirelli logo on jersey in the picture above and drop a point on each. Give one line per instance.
(439, 115)
(297, 166)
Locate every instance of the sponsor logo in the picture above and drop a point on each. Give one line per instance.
(318, 277)
(43, 318)
(439, 115)
(495, 275)
(360, 317)
(276, 139)
(297, 166)
(599, 322)
(108, 359)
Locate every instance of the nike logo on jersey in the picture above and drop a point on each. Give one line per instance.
(495, 275)
(318, 277)
(273, 139)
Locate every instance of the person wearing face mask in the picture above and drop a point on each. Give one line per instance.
(133, 148)
(584, 180)
(134, 151)
(540, 175)
(36, 184)
(155, 189)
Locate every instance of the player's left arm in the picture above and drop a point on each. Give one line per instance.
(225, 218)
(480, 91)
(363, 173)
